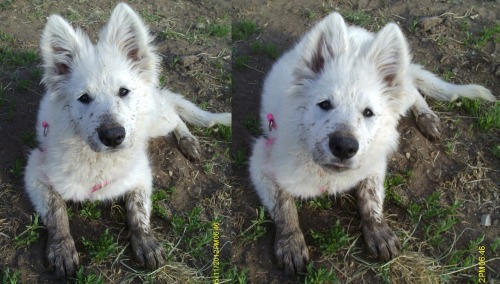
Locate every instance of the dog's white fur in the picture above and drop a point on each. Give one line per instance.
(354, 70)
(71, 159)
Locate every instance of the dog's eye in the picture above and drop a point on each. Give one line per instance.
(123, 92)
(367, 112)
(325, 105)
(85, 99)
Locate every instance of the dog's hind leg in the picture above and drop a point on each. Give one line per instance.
(379, 238)
(427, 121)
(188, 144)
(146, 248)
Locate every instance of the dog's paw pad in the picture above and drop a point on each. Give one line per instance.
(380, 240)
(190, 147)
(148, 251)
(62, 256)
(292, 252)
(430, 125)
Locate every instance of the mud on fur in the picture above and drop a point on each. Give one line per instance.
(329, 109)
(102, 105)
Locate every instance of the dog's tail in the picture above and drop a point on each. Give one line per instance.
(191, 113)
(432, 86)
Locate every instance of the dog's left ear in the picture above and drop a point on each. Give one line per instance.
(126, 31)
(389, 52)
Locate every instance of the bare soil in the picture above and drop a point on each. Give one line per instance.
(468, 173)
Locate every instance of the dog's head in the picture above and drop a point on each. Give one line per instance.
(349, 93)
(101, 87)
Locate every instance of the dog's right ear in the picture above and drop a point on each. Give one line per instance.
(325, 42)
(59, 45)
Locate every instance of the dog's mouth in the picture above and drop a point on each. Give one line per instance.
(338, 167)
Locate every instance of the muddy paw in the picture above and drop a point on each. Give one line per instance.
(292, 252)
(380, 240)
(148, 251)
(190, 147)
(429, 125)
(62, 256)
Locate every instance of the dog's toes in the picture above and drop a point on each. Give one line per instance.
(380, 240)
(148, 251)
(62, 256)
(430, 125)
(190, 147)
(292, 252)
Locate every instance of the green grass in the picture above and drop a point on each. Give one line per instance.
(330, 240)
(219, 29)
(252, 124)
(391, 182)
(234, 274)
(87, 278)
(219, 131)
(30, 235)
(487, 34)
(487, 113)
(434, 218)
(319, 276)
(239, 158)
(149, 16)
(358, 18)
(196, 232)
(496, 151)
(3, 99)
(268, 49)
(90, 210)
(9, 277)
(241, 62)
(22, 84)
(413, 26)
(319, 203)
(244, 29)
(11, 59)
(159, 197)
(101, 248)
(17, 168)
(257, 229)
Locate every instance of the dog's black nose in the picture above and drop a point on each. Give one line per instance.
(111, 136)
(343, 146)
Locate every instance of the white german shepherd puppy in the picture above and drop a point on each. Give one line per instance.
(330, 107)
(102, 106)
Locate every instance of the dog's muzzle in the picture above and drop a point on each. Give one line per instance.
(343, 145)
(111, 136)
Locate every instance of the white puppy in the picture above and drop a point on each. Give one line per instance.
(330, 108)
(101, 107)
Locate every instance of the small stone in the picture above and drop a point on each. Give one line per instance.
(486, 220)
(170, 173)
(408, 155)
(473, 17)
(428, 22)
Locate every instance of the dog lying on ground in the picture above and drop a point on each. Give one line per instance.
(330, 108)
(101, 107)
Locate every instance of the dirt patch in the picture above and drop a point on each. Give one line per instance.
(461, 167)
(187, 193)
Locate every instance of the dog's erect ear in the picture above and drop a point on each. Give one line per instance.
(59, 45)
(389, 52)
(327, 40)
(126, 31)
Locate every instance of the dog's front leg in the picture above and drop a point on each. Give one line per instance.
(290, 246)
(146, 248)
(188, 144)
(379, 238)
(61, 250)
